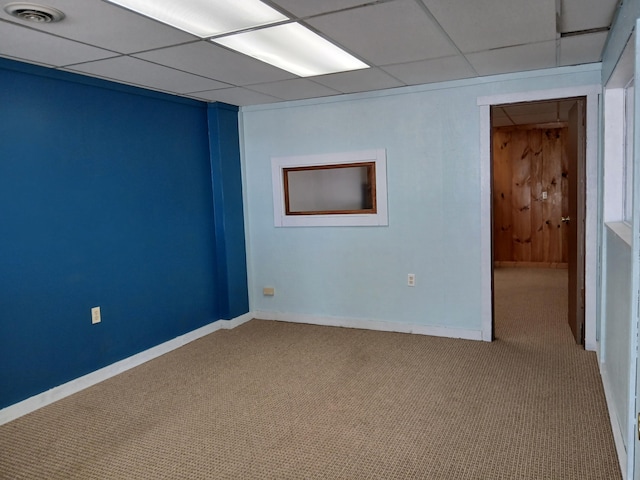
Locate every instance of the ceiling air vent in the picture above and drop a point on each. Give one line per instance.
(34, 13)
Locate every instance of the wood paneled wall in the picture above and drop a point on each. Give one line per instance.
(528, 161)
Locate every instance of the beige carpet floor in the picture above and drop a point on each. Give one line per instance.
(271, 400)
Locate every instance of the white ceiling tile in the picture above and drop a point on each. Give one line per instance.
(107, 26)
(565, 107)
(212, 61)
(430, 71)
(528, 115)
(538, 108)
(499, 118)
(34, 46)
(305, 8)
(532, 112)
(359, 80)
(624, 70)
(296, 89)
(501, 122)
(399, 39)
(534, 118)
(579, 15)
(139, 72)
(237, 96)
(514, 59)
(582, 48)
(487, 24)
(386, 33)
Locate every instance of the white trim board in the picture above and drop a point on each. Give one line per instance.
(48, 397)
(614, 417)
(591, 92)
(366, 324)
(380, 218)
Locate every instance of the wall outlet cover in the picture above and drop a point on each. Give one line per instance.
(95, 315)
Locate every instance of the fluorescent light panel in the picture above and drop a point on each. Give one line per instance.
(206, 18)
(293, 48)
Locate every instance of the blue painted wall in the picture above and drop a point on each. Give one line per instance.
(227, 200)
(105, 199)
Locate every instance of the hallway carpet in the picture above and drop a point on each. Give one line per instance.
(272, 400)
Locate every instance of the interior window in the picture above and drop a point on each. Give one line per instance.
(330, 189)
(334, 189)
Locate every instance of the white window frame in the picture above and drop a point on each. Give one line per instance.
(380, 218)
(618, 146)
(627, 167)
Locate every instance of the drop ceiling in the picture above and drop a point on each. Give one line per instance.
(546, 112)
(405, 42)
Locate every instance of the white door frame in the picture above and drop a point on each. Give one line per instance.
(591, 92)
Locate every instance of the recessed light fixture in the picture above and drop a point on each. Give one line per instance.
(34, 13)
(294, 48)
(206, 18)
(247, 26)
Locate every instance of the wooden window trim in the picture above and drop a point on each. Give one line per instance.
(371, 180)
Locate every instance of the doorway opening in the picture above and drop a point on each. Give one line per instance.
(538, 164)
(592, 231)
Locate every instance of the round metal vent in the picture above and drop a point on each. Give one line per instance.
(34, 13)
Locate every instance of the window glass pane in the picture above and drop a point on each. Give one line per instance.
(328, 190)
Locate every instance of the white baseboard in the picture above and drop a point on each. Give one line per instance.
(371, 325)
(46, 398)
(613, 418)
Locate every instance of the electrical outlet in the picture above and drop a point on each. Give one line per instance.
(411, 280)
(544, 195)
(268, 291)
(95, 315)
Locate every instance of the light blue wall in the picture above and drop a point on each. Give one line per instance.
(619, 276)
(617, 327)
(432, 137)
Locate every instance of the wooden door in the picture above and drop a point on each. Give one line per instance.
(575, 216)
